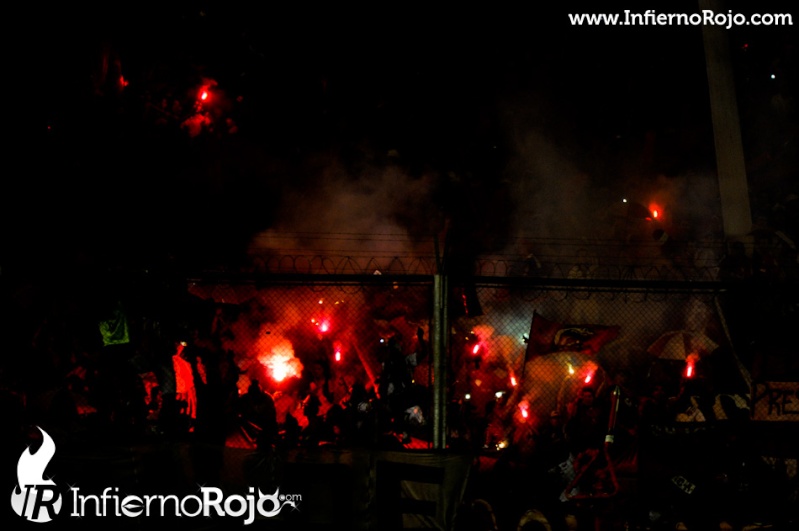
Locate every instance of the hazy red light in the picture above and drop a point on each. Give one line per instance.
(656, 210)
(588, 378)
(476, 349)
(338, 355)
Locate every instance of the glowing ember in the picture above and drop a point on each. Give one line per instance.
(524, 410)
(589, 377)
(571, 369)
(204, 95)
(338, 355)
(513, 381)
(655, 214)
(689, 370)
(476, 349)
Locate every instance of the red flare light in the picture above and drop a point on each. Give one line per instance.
(322, 326)
(690, 365)
(589, 377)
(513, 381)
(337, 350)
(523, 409)
(656, 211)
(476, 349)
(281, 362)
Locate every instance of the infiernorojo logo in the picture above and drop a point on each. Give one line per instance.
(37, 499)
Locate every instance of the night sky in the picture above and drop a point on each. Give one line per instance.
(495, 123)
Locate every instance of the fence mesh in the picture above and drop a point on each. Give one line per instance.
(327, 351)
(538, 372)
(526, 363)
(519, 356)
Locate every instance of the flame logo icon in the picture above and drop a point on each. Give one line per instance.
(35, 497)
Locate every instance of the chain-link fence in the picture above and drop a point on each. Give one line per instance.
(360, 349)
(537, 371)
(520, 359)
(326, 352)
(525, 361)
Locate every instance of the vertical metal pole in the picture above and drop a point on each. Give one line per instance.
(730, 165)
(440, 336)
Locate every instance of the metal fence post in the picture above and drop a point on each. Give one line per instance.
(440, 336)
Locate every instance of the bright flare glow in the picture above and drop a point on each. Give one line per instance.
(476, 349)
(655, 210)
(281, 362)
(571, 369)
(513, 381)
(498, 394)
(467, 396)
(589, 378)
(338, 355)
(324, 326)
(690, 364)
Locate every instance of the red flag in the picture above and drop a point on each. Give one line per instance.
(585, 338)
(550, 336)
(542, 336)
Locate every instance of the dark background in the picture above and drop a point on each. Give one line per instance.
(96, 172)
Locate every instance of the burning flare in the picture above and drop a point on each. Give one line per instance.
(281, 362)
